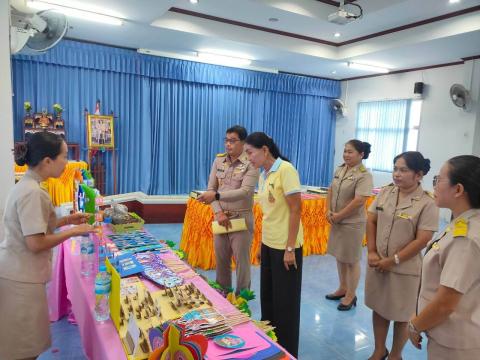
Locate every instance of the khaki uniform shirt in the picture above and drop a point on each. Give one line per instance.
(397, 225)
(346, 184)
(235, 182)
(28, 211)
(453, 260)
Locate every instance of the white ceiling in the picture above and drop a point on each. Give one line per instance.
(151, 25)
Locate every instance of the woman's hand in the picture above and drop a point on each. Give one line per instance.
(289, 259)
(335, 218)
(78, 218)
(385, 264)
(414, 336)
(83, 229)
(373, 259)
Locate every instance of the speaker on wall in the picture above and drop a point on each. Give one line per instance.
(418, 89)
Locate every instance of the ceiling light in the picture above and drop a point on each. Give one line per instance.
(337, 34)
(193, 1)
(366, 67)
(83, 14)
(223, 59)
(453, 1)
(334, 72)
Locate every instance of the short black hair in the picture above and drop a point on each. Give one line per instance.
(239, 130)
(465, 170)
(415, 161)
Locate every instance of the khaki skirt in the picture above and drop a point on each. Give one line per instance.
(392, 296)
(24, 323)
(439, 352)
(345, 242)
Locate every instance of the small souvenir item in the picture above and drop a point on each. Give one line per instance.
(229, 341)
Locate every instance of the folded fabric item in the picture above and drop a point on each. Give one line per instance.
(237, 225)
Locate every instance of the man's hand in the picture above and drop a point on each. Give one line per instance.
(207, 197)
(223, 220)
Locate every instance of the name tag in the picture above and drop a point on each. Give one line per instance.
(404, 216)
(379, 208)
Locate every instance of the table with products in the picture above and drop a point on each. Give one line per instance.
(197, 236)
(69, 292)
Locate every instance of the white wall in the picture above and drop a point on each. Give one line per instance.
(445, 130)
(7, 179)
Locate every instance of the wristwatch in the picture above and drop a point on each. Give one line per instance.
(412, 328)
(396, 258)
(217, 196)
(290, 249)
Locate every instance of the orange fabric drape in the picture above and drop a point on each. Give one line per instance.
(61, 189)
(197, 236)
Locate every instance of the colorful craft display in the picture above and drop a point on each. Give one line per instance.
(156, 271)
(134, 242)
(178, 346)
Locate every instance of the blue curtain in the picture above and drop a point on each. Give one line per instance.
(384, 124)
(171, 115)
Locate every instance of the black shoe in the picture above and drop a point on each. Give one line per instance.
(343, 307)
(334, 297)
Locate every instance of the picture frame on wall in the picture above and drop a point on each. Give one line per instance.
(100, 131)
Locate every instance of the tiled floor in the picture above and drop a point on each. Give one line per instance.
(326, 333)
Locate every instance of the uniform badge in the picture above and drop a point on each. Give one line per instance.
(435, 246)
(379, 208)
(404, 216)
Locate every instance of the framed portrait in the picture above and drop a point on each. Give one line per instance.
(100, 131)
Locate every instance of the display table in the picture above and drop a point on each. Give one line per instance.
(61, 189)
(101, 340)
(197, 236)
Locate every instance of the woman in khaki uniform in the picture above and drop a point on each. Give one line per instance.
(401, 221)
(351, 186)
(25, 250)
(449, 299)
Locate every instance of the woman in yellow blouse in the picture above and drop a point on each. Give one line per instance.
(282, 239)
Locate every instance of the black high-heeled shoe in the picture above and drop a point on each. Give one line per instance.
(343, 307)
(334, 297)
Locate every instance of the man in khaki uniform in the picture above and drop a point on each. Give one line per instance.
(230, 191)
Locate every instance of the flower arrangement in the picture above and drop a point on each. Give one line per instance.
(57, 108)
(27, 106)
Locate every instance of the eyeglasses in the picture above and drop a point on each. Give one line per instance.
(230, 141)
(437, 179)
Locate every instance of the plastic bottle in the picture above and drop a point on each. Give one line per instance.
(102, 294)
(87, 256)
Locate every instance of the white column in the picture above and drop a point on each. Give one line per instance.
(7, 178)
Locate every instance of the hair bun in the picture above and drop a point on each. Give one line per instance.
(366, 149)
(20, 154)
(426, 166)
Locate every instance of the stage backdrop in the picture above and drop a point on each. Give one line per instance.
(172, 114)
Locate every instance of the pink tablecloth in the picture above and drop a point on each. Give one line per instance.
(68, 290)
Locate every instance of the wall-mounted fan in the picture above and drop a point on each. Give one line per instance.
(36, 33)
(460, 96)
(339, 107)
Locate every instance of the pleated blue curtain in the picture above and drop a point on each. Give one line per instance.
(384, 124)
(171, 115)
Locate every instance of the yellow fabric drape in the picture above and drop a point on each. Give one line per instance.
(61, 189)
(197, 236)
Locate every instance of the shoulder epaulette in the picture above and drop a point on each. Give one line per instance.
(429, 193)
(222, 155)
(460, 227)
(362, 168)
(391, 184)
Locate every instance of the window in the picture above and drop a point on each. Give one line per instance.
(391, 127)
